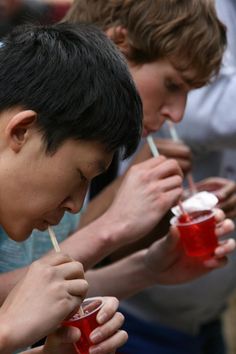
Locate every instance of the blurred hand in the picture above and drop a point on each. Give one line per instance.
(225, 190)
(106, 338)
(52, 289)
(170, 149)
(147, 192)
(168, 263)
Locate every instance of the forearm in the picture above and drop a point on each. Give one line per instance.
(95, 241)
(8, 280)
(121, 279)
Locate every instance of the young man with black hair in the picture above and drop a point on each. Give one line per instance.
(67, 103)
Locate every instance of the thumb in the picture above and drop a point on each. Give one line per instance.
(173, 239)
(64, 335)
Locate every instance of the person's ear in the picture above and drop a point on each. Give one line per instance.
(119, 35)
(17, 129)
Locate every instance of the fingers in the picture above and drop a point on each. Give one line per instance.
(110, 306)
(78, 287)
(108, 336)
(220, 254)
(111, 344)
(63, 335)
(225, 227)
(71, 270)
(159, 166)
(55, 259)
(107, 329)
(168, 168)
(219, 215)
(227, 189)
(215, 263)
(229, 205)
(225, 247)
(170, 183)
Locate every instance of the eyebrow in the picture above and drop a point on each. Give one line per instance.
(101, 168)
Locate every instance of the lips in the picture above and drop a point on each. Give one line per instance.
(54, 220)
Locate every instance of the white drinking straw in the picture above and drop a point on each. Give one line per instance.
(155, 153)
(152, 146)
(53, 239)
(173, 132)
(57, 249)
(175, 137)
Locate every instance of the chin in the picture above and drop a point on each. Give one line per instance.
(15, 234)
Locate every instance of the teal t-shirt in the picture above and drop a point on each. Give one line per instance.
(16, 255)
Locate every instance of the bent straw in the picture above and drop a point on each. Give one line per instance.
(155, 153)
(57, 249)
(175, 137)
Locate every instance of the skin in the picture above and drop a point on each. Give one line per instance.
(163, 262)
(172, 90)
(170, 149)
(58, 183)
(163, 92)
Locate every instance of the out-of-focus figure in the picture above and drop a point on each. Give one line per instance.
(19, 12)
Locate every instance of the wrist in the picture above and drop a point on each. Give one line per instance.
(114, 232)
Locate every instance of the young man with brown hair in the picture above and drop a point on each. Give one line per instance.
(155, 37)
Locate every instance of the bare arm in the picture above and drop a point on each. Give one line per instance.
(164, 262)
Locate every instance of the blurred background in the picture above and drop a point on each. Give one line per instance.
(17, 12)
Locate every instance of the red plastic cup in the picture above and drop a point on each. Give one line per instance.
(198, 234)
(86, 323)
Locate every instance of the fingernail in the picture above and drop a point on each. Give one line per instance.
(96, 336)
(219, 252)
(96, 350)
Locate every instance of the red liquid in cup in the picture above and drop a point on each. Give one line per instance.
(87, 323)
(198, 234)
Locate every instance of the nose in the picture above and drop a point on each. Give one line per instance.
(174, 111)
(74, 203)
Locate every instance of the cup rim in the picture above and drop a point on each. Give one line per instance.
(174, 222)
(90, 313)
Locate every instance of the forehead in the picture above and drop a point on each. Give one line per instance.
(89, 155)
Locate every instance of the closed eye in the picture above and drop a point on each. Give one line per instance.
(172, 86)
(82, 177)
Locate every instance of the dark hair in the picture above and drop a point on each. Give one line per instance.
(76, 81)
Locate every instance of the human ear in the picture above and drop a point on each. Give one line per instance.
(119, 35)
(17, 129)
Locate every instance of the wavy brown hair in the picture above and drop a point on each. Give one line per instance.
(186, 32)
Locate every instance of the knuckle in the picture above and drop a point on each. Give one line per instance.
(80, 267)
